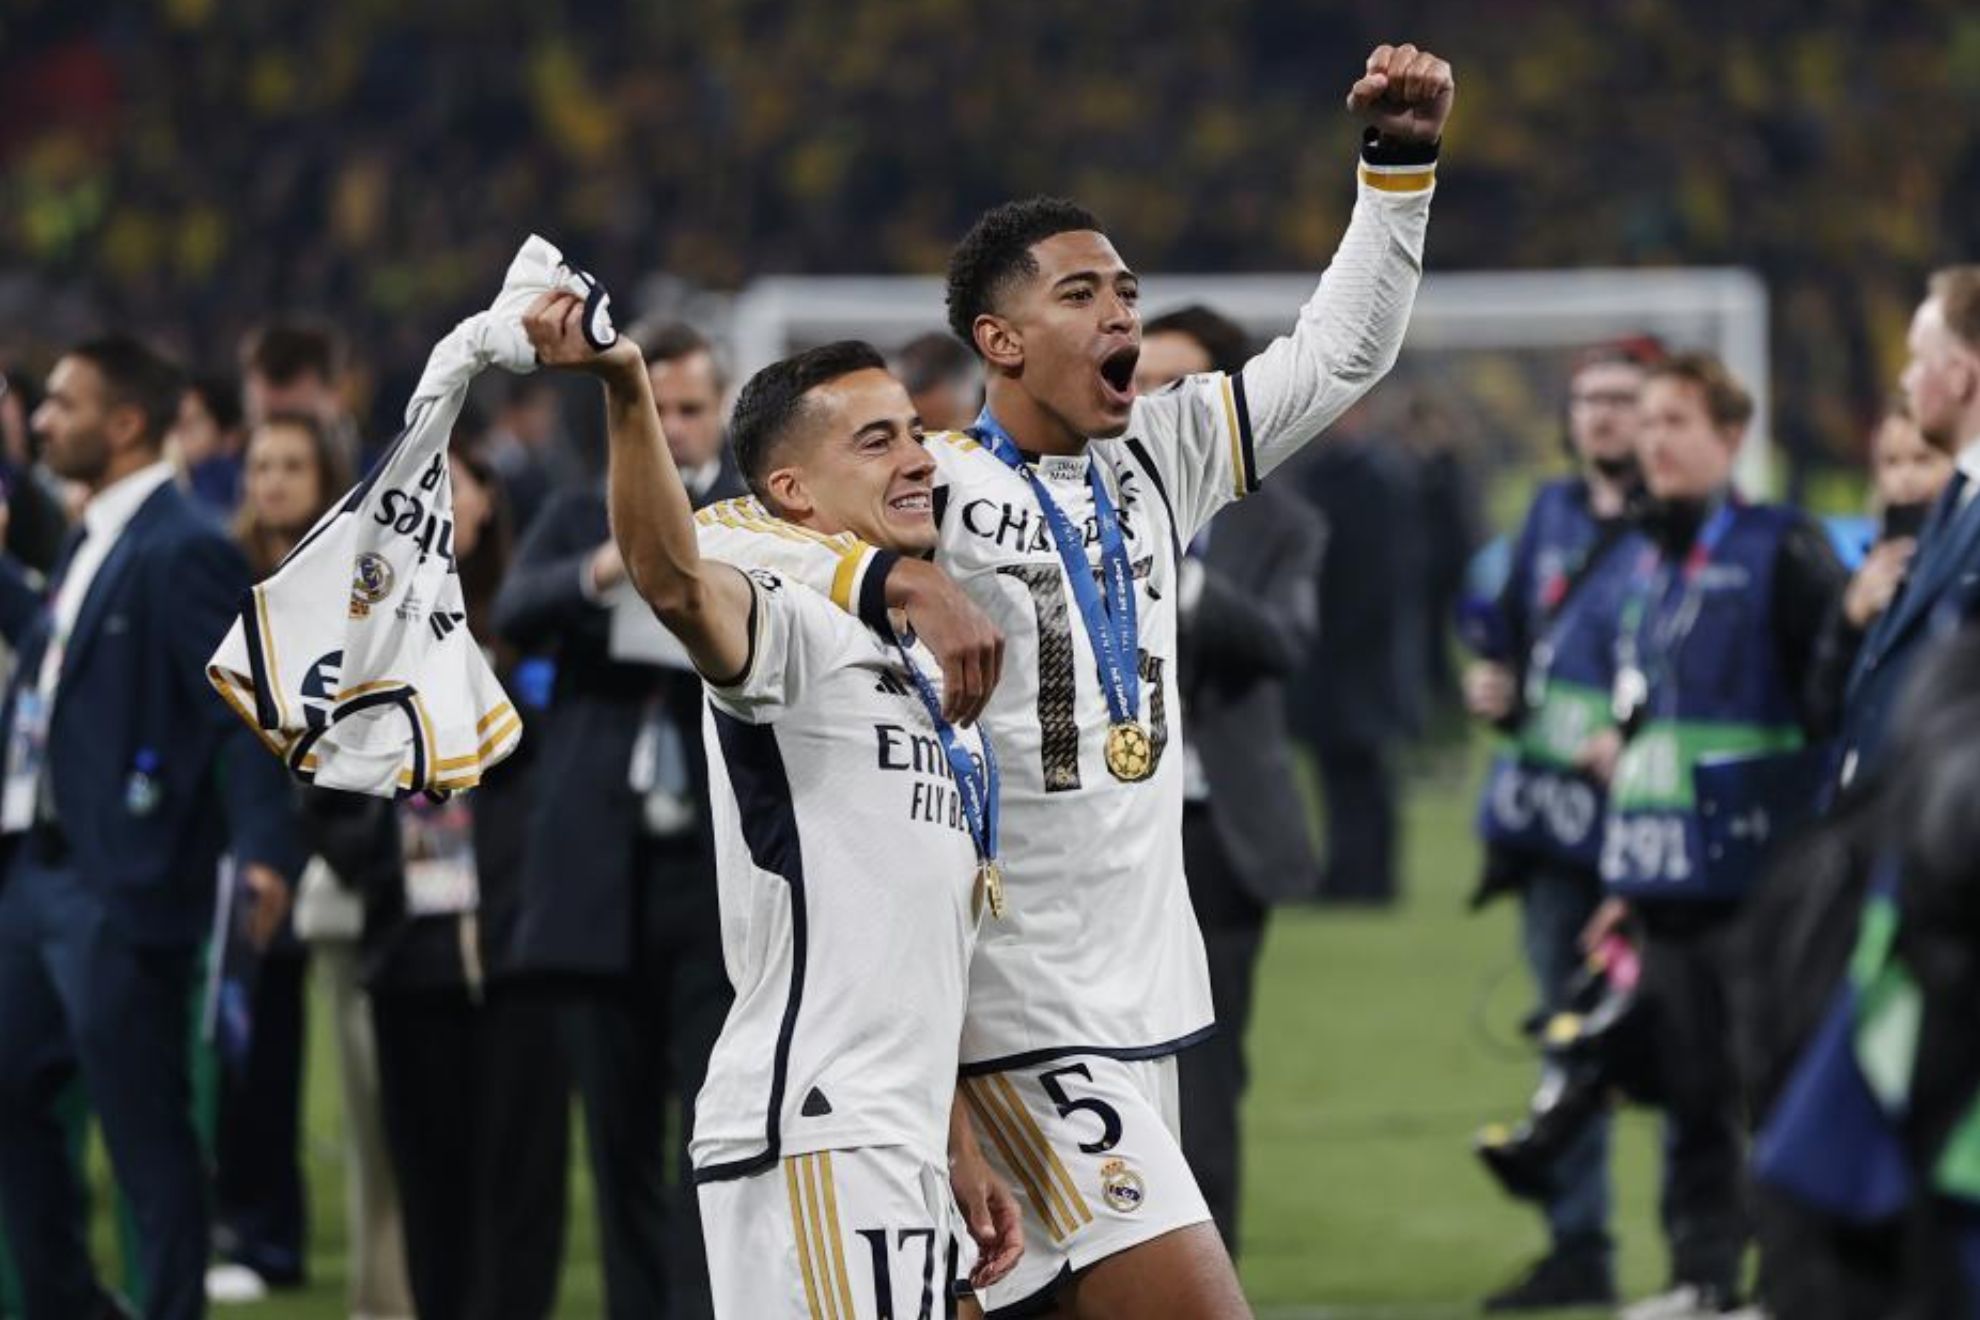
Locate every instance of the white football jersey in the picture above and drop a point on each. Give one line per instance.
(848, 894)
(1100, 953)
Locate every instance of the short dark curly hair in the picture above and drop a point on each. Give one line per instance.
(997, 250)
(774, 398)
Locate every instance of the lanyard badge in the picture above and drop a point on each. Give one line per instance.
(1110, 620)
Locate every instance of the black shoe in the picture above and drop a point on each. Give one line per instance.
(1564, 1277)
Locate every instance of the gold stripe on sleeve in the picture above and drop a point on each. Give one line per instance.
(1236, 438)
(845, 576)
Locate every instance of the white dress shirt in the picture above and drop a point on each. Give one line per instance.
(104, 520)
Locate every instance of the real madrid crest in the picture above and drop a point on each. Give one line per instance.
(371, 582)
(1122, 1187)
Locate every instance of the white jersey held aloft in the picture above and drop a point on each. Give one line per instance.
(353, 660)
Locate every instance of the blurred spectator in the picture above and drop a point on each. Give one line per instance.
(620, 906)
(1248, 596)
(528, 447)
(36, 522)
(1546, 665)
(944, 379)
(1360, 693)
(1715, 756)
(206, 442)
(476, 1100)
(123, 781)
(1897, 614)
(1450, 520)
(291, 476)
(295, 367)
(688, 387)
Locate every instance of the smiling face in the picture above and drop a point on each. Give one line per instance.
(1071, 333)
(852, 460)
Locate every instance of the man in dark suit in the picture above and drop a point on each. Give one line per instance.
(620, 900)
(1942, 384)
(1247, 609)
(123, 779)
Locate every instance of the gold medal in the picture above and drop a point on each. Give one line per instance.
(1130, 754)
(990, 883)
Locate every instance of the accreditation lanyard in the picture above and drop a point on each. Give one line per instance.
(976, 782)
(1654, 581)
(1110, 621)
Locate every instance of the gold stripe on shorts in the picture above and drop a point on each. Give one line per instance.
(1024, 1172)
(1081, 1212)
(803, 1234)
(838, 1239)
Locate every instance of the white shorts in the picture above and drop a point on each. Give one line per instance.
(836, 1235)
(1092, 1149)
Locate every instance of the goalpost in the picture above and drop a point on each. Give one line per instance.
(1538, 316)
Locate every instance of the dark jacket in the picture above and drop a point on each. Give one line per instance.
(133, 701)
(579, 873)
(1253, 626)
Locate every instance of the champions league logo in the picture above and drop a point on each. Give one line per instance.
(371, 582)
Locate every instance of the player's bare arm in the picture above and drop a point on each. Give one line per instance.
(986, 1203)
(704, 603)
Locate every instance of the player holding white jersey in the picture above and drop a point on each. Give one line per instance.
(1064, 513)
(856, 853)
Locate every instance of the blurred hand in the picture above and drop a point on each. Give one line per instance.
(1876, 583)
(1608, 920)
(965, 643)
(1598, 756)
(1488, 690)
(607, 568)
(1404, 93)
(268, 895)
(989, 1212)
(554, 324)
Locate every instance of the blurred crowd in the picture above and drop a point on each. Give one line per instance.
(189, 166)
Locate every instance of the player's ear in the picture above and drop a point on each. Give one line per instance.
(999, 342)
(788, 493)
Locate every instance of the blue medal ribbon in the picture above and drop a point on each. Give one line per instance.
(1110, 622)
(976, 783)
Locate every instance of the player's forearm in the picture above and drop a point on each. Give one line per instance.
(653, 523)
(1351, 330)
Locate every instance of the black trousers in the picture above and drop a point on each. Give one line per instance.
(1212, 1075)
(1358, 782)
(1686, 989)
(476, 1107)
(259, 1201)
(638, 1047)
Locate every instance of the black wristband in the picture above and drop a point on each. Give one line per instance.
(1379, 150)
(872, 604)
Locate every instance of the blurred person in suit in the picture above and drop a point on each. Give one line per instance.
(123, 781)
(475, 1096)
(620, 912)
(943, 378)
(1360, 690)
(1922, 591)
(1247, 618)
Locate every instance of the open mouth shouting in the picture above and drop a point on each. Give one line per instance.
(1117, 377)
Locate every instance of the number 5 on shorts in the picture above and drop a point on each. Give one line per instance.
(1110, 1118)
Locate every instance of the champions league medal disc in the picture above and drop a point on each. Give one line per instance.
(1130, 755)
(990, 877)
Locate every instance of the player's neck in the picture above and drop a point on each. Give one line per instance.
(1035, 428)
